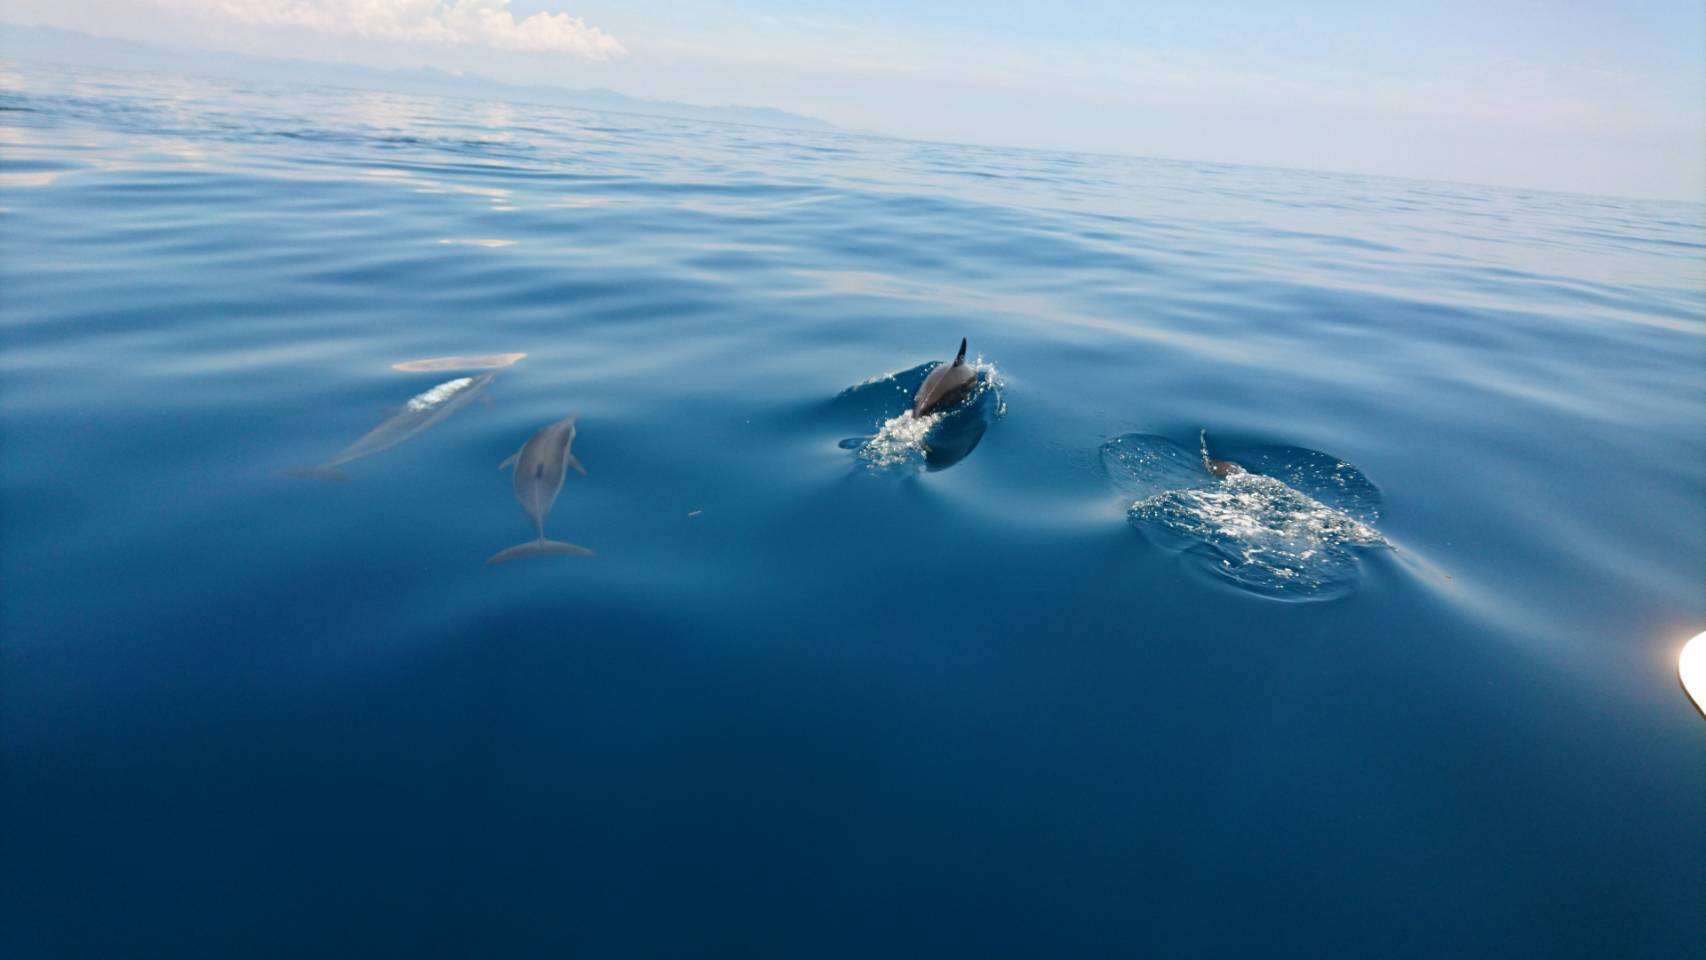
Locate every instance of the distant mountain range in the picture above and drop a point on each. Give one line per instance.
(54, 45)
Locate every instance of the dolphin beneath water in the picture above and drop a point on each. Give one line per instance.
(540, 466)
(1220, 468)
(945, 385)
(422, 411)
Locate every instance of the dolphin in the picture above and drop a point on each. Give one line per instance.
(954, 439)
(422, 411)
(945, 385)
(540, 465)
(1220, 468)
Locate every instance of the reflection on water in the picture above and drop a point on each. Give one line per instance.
(1293, 538)
(488, 361)
(422, 412)
(36, 178)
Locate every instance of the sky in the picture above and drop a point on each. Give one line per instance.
(1569, 95)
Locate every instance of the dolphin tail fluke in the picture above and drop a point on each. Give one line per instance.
(540, 548)
(961, 356)
(319, 473)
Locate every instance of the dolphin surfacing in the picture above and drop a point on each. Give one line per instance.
(540, 466)
(945, 385)
(1220, 468)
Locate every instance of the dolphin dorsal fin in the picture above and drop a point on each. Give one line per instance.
(961, 356)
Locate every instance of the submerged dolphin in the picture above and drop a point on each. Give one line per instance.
(540, 465)
(1220, 468)
(945, 385)
(422, 411)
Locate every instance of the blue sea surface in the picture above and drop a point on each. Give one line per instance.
(1026, 679)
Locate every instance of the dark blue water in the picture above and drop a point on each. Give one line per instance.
(1027, 680)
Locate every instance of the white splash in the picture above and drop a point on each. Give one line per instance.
(1266, 533)
(438, 394)
(989, 378)
(899, 440)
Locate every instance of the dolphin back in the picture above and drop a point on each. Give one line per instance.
(945, 385)
(538, 478)
(540, 464)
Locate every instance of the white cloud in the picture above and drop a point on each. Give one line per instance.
(468, 23)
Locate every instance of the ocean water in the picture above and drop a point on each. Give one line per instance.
(1026, 679)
